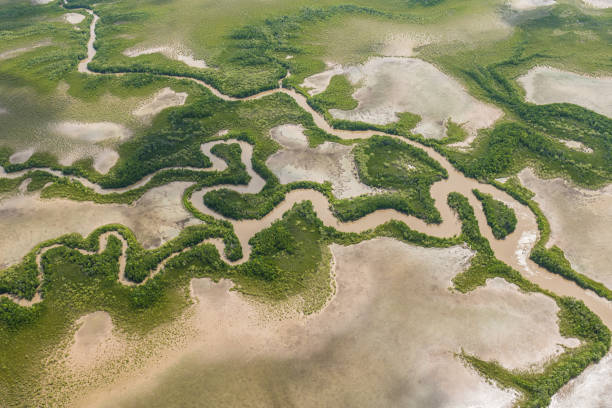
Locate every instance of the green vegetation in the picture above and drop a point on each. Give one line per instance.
(247, 51)
(381, 161)
(484, 264)
(338, 95)
(553, 259)
(500, 217)
(288, 259)
(575, 320)
(531, 134)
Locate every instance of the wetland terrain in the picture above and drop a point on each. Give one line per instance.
(333, 203)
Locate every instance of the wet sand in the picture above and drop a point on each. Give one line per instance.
(289, 373)
(91, 132)
(544, 85)
(93, 341)
(105, 160)
(91, 50)
(74, 18)
(530, 4)
(591, 389)
(388, 293)
(18, 51)
(176, 52)
(155, 218)
(165, 98)
(580, 223)
(601, 4)
(21, 156)
(575, 145)
(332, 162)
(391, 85)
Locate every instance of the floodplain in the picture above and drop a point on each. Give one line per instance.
(305, 203)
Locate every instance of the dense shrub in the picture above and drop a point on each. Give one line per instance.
(500, 217)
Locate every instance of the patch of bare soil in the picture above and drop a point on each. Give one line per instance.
(328, 161)
(544, 85)
(388, 293)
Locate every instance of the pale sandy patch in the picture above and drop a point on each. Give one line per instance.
(164, 98)
(576, 145)
(82, 140)
(404, 44)
(18, 51)
(318, 83)
(391, 85)
(176, 52)
(74, 18)
(591, 389)
(598, 3)
(544, 85)
(105, 160)
(328, 161)
(580, 223)
(21, 156)
(388, 293)
(37, 2)
(155, 218)
(91, 132)
(93, 342)
(530, 4)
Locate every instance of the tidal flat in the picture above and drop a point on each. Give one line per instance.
(387, 293)
(387, 86)
(580, 223)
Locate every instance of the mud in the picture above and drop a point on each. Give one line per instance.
(176, 52)
(544, 85)
(579, 221)
(329, 161)
(165, 98)
(388, 293)
(389, 85)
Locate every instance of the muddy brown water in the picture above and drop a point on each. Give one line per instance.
(513, 250)
(326, 365)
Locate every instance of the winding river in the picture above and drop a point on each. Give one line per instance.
(514, 250)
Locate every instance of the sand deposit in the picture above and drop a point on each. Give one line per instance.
(602, 4)
(155, 218)
(74, 18)
(576, 145)
(105, 160)
(580, 222)
(404, 44)
(388, 86)
(544, 85)
(93, 341)
(530, 4)
(329, 161)
(591, 389)
(81, 140)
(91, 132)
(21, 156)
(163, 99)
(176, 52)
(18, 51)
(388, 293)
(317, 83)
